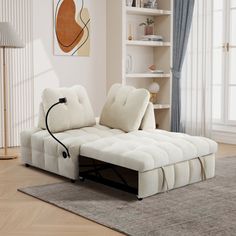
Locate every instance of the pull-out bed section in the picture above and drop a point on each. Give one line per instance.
(163, 160)
(126, 137)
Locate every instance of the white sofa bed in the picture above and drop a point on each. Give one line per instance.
(125, 137)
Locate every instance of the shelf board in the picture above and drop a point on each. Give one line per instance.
(146, 11)
(147, 75)
(161, 106)
(147, 43)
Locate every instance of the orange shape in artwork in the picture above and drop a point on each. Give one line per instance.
(69, 32)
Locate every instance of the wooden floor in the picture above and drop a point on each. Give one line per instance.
(23, 215)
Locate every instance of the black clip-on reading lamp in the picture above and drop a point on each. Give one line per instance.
(65, 153)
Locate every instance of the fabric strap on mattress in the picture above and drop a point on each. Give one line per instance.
(203, 172)
(164, 180)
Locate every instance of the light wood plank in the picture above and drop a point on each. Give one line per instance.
(22, 215)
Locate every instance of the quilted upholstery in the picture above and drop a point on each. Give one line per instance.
(140, 150)
(76, 113)
(124, 108)
(164, 160)
(148, 150)
(40, 150)
(175, 176)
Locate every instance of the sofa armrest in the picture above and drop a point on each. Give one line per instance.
(26, 148)
(25, 136)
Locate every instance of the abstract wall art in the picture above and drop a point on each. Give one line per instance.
(71, 28)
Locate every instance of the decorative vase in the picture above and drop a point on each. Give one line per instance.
(148, 30)
(153, 98)
(154, 88)
(129, 64)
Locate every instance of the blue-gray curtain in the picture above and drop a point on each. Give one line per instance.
(182, 19)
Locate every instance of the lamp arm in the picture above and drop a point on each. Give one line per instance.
(65, 153)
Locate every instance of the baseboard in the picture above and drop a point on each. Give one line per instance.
(224, 137)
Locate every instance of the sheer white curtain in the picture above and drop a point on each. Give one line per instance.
(196, 82)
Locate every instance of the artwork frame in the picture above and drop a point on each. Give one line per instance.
(71, 28)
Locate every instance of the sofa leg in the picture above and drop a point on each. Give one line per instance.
(82, 179)
(72, 181)
(139, 199)
(27, 165)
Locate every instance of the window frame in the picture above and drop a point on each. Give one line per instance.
(225, 83)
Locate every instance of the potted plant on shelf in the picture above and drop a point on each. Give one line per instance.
(148, 30)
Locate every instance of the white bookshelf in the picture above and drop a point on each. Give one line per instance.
(147, 43)
(146, 11)
(161, 106)
(147, 75)
(143, 53)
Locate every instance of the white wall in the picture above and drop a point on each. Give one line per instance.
(115, 37)
(54, 71)
(19, 71)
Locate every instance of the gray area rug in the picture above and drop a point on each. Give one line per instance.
(206, 208)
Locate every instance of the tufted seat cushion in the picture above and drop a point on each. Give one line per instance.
(125, 108)
(39, 149)
(148, 150)
(77, 112)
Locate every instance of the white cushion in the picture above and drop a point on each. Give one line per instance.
(41, 120)
(76, 113)
(147, 150)
(125, 108)
(39, 149)
(148, 121)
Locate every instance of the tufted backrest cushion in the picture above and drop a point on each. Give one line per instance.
(41, 121)
(148, 121)
(124, 108)
(76, 113)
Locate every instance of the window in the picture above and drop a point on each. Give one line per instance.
(224, 62)
(218, 40)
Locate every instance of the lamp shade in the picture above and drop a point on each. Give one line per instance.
(154, 87)
(8, 36)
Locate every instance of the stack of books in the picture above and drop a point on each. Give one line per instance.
(157, 38)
